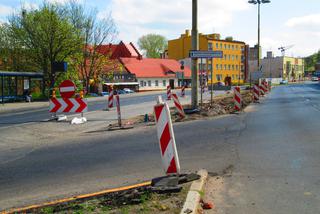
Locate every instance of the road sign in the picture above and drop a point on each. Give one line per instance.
(206, 54)
(67, 89)
(77, 105)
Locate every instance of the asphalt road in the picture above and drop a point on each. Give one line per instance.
(42, 113)
(273, 150)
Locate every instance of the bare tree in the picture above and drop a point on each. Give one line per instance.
(95, 32)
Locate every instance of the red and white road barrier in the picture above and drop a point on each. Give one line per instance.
(237, 98)
(110, 98)
(266, 87)
(168, 149)
(118, 110)
(178, 106)
(168, 92)
(256, 92)
(262, 91)
(75, 105)
(183, 91)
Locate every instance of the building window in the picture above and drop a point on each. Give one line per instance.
(217, 66)
(225, 46)
(225, 67)
(144, 83)
(233, 67)
(237, 57)
(156, 82)
(232, 47)
(225, 57)
(220, 66)
(149, 83)
(237, 76)
(217, 45)
(229, 46)
(209, 67)
(232, 57)
(232, 76)
(164, 82)
(141, 83)
(210, 46)
(229, 67)
(220, 45)
(237, 67)
(219, 77)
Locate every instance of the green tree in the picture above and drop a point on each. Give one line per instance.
(153, 45)
(47, 35)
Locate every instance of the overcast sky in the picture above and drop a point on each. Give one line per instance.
(283, 22)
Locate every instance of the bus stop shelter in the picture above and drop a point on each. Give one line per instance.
(14, 86)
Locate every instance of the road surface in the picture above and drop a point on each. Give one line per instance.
(273, 150)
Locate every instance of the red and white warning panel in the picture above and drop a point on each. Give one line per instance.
(110, 99)
(237, 98)
(67, 89)
(168, 92)
(256, 92)
(166, 138)
(178, 105)
(73, 105)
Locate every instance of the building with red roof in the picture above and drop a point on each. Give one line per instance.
(156, 74)
(140, 73)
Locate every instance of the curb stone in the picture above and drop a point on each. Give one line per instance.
(193, 198)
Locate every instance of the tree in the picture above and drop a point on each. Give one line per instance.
(93, 60)
(153, 45)
(47, 35)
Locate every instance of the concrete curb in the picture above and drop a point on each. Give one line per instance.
(194, 195)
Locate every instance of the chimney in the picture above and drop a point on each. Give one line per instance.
(188, 33)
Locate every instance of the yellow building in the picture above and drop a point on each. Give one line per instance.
(233, 63)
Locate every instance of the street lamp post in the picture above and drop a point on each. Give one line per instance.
(258, 2)
(195, 46)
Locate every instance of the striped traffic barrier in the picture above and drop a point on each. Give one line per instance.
(110, 99)
(168, 149)
(183, 91)
(262, 93)
(266, 87)
(178, 106)
(256, 92)
(237, 98)
(168, 92)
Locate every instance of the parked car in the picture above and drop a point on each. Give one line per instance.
(283, 82)
(315, 78)
(128, 90)
(104, 93)
(120, 91)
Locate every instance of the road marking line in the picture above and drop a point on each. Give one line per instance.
(65, 200)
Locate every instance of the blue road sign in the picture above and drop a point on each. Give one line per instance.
(205, 54)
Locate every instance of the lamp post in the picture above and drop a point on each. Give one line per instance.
(258, 2)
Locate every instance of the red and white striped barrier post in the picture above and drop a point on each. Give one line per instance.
(262, 92)
(237, 98)
(118, 110)
(178, 106)
(256, 92)
(266, 87)
(183, 91)
(168, 92)
(110, 99)
(168, 149)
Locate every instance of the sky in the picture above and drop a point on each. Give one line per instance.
(283, 22)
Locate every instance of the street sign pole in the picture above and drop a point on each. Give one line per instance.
(201, 81)
(211, 80)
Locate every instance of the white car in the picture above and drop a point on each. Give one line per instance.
(128, 90)
(314, 78)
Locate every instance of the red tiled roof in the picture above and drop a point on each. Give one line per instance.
(106, 49)
(125, 50)
(153, 67)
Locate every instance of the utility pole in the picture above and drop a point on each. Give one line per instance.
(195, 46)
